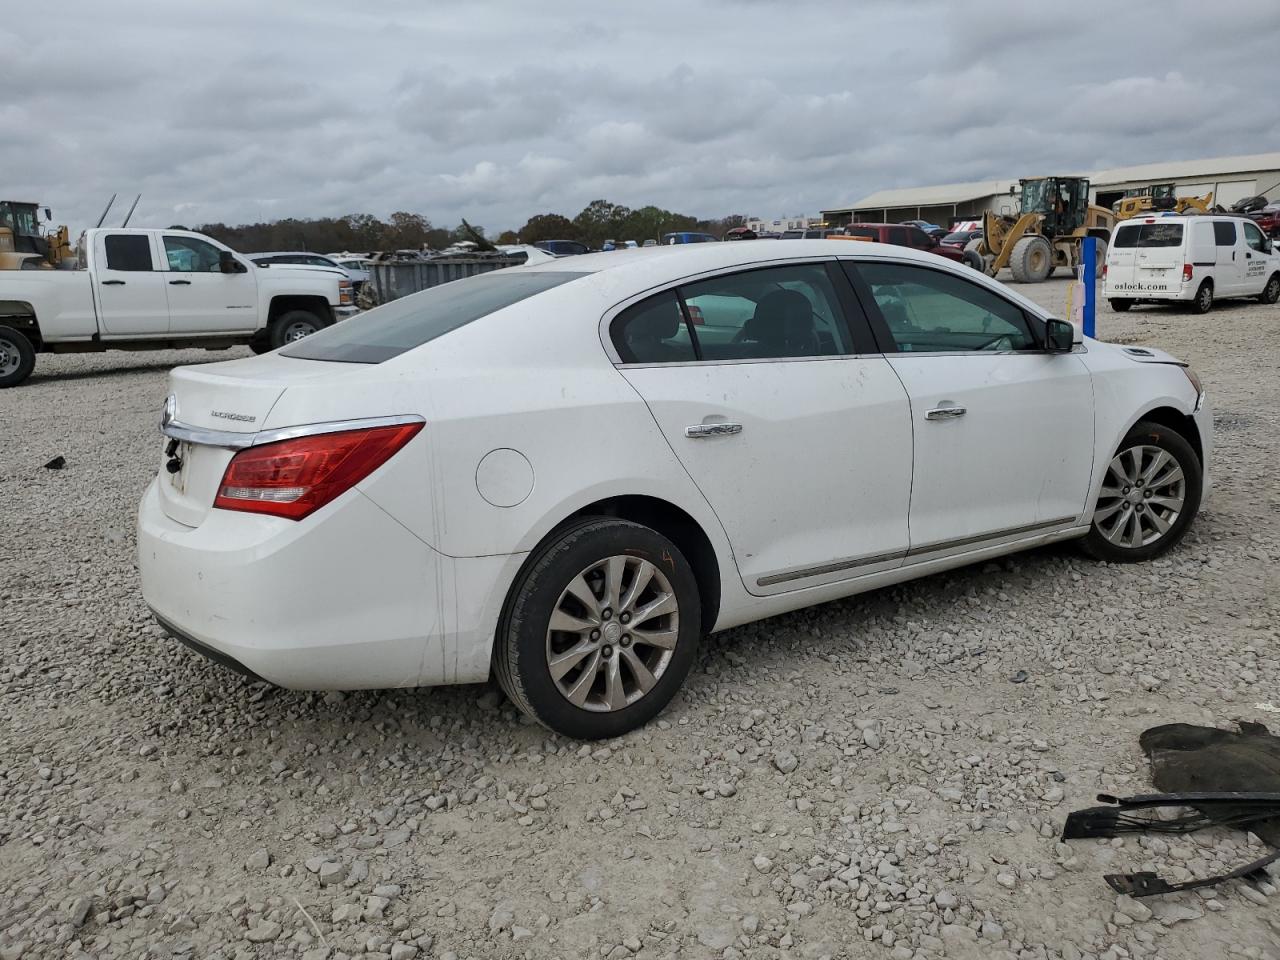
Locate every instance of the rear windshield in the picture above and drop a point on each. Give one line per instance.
(961, 236)
(1149, 235)
(411, 321)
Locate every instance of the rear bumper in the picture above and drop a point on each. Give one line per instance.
(346, 599)
(1147, 290)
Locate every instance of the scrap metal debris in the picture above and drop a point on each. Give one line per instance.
(57, 463)
(1222, 778)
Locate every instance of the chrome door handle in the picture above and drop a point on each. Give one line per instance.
(945, 413)
(712, 430)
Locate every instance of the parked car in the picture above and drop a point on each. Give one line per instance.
(688, 236)
(357, 269)
(138, 289)
(1268, 219)
(959, 238)
(1195, 260)
(810, 233)
(932, 229)
(526, 252)
(402, 499)
(563, 248)
(900, 235)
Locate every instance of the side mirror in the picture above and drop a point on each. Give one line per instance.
(1059, 336)
(227, 262)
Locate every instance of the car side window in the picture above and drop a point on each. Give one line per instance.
(128, 251)
(1254, 238)
(1224, 233)
(190, 255)
(771, 313)
(935, 311)
(653, 331)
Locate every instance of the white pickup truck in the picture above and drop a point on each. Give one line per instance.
(160, 290)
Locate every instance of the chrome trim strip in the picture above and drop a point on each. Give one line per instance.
(995, 535)
(239, 441)
(727, 363)
(826, 568)
(836, 566)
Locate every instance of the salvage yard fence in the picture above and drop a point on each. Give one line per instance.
(393, 279)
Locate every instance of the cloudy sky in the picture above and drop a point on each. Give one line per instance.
(240, 111)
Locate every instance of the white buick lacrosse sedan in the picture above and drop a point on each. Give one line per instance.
(564, 474)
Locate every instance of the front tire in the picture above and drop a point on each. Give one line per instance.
(600, 629)
(293, 325)
(1032, 259)
(1203, 301)
(1150, 495)
(17, 357)
(1271, 292)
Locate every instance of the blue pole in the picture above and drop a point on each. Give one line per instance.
(1088, 273)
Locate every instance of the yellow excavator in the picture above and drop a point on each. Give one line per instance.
(22, 244)
(1159, 197)
(1055, 217)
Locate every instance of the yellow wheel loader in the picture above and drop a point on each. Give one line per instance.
(1056, 217)
(1158, 197)
(23, 246)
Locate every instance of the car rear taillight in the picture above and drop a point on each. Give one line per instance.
(1104, 271)
(695, 315)
(294, 478)
(1187, 271)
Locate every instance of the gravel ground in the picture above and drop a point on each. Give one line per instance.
(862, 779)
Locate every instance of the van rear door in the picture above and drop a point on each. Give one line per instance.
(1121, 260)
(1160, 256)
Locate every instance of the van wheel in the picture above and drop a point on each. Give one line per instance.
(1203, 302)
(1150, 494)
(1271, 292)
(293, 325)
(17, 357)
(1120, 305)
(599, 630)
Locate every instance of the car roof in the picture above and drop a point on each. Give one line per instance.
(288, 253)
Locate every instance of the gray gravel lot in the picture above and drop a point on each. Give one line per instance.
(861, 779)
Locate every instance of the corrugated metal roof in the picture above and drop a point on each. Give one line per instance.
(928, 196)
(1175, 169)
(905, 197)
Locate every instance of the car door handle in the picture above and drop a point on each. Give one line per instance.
(113, 283)
(945, 413)
(179, 283)
(701, 430)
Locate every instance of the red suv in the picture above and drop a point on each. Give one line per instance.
(1268, 219)
(901, 235)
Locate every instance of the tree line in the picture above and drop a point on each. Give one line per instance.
(598, 221)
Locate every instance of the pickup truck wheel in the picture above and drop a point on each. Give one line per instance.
(17, 357)
(294, 325)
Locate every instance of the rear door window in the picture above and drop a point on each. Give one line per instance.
(401, 325)
(128, 251)
(1148, 235)
(653, 331)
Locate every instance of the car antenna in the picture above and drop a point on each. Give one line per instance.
(128, 216)
(106, 211)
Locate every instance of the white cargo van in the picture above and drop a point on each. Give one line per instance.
(1196, 259)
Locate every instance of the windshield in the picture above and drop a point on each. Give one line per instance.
(411, 321)
(961, 236)
(21, 218)
(1149, 235)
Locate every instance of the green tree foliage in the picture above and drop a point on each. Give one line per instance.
(548, 226)
(356, 232)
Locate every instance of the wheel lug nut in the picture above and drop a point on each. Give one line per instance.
(625, 618)
(607, 652)
(1125, 490)
(595, 634)
(1138, 508)
(607, 613)
(626, 640)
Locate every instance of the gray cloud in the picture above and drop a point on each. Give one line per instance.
(241, 111)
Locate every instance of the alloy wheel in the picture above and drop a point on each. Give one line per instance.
(612, 633)
(1143, 494)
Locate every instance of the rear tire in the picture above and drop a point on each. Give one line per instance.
(1150, 495)
(599, 673)
(1032, 259)
(1120, 305)
(1203, 301)
(293, 325)
(17, 357)
(981, 259)
(1271, 292)
(972, 258)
